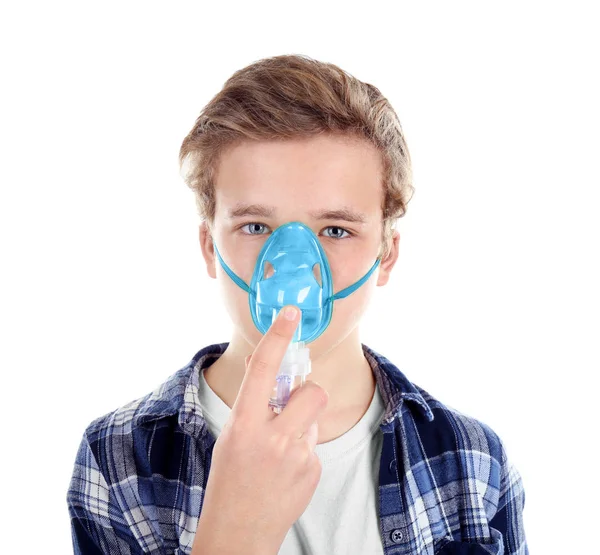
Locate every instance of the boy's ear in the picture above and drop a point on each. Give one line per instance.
(208, 249)
(387, 263)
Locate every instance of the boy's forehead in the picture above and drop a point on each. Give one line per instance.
(319, 175)
(323, 153)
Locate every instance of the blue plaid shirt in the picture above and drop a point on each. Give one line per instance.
(445, 483)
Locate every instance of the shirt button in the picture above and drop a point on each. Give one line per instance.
(396, 535)
(392, 466)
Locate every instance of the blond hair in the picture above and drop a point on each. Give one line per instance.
(291, 97)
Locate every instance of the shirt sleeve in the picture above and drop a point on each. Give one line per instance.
(98, 527)
(508, 519)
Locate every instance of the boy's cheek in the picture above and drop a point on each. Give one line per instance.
(233, 295)
(241, 263)
(347, 273)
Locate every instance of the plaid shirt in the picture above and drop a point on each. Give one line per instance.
(445, 483)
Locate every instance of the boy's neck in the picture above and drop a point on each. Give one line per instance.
(343, 372)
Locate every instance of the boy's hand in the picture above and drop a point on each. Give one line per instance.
(264, 471)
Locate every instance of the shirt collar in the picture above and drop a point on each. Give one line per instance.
(395, 388)
(179, 394)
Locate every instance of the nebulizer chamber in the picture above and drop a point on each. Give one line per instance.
(294, 368)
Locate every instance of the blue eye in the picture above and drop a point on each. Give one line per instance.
(338, 232)
(254, 228)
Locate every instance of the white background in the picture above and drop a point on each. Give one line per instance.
(493, 307)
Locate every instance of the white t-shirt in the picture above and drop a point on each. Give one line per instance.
(343, 514)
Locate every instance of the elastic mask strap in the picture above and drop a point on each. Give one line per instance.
(231, 274)
(345, 292)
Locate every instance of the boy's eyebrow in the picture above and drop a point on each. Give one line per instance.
(241, 210)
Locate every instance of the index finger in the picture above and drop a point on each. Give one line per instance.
(259, 381)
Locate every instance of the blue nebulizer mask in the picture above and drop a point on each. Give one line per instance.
(292, 269)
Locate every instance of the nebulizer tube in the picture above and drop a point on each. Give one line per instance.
(293, 370)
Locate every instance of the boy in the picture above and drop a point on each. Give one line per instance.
(360, 460)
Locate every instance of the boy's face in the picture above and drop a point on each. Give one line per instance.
(325, 183)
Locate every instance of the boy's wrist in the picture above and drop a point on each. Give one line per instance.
(231, 539)
(234, 545)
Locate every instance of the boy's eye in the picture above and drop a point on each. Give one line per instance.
(337, 232)
(254, 228)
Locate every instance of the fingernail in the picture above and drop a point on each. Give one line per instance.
(290, 313)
